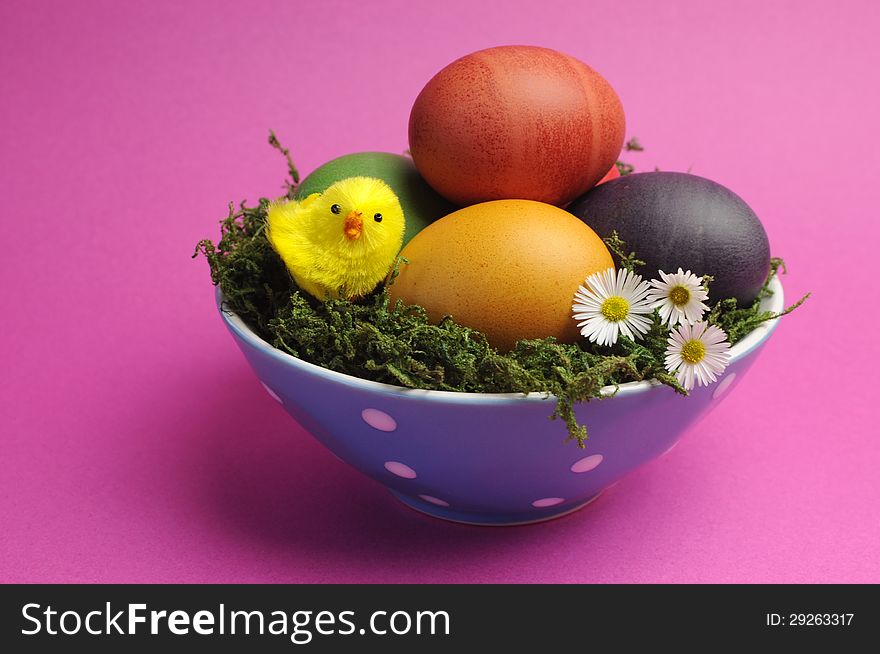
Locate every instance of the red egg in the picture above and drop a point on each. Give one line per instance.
(613, 173)
(515, 122)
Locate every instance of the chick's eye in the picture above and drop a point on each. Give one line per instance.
(378, 217)
(335, 208)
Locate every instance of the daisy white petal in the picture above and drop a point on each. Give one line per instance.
(610, 303)
(679, 297)
(697, 353)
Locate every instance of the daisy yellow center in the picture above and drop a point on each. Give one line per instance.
(615, 308)
(693, 351)
(679, 295)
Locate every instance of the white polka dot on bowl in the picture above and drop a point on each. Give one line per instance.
(545, 502)
(400, 469)
(379, 420)
(723, 385)
(587, 463)
(434, 500)
(273, 394)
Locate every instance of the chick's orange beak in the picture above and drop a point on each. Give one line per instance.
(353, 226)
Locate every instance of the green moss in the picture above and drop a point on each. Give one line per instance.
(396, 344)
(632, 145)
(739, 321)
(629, 261)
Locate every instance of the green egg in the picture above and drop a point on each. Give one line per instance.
(421, 204)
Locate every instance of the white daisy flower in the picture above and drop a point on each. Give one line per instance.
(679, 297)
(612, 304)
(697, 352)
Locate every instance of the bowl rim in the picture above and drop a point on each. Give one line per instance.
(240, 329)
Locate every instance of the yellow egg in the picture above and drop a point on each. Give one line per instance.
(508, 268)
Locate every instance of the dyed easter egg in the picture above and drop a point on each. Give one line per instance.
(613, 173)
(421, 204)
(515, 122)
(508, 268)
(673, 220)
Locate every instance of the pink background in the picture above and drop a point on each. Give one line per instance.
(137, 445)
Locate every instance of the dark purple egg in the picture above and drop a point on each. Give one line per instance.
(673, 220)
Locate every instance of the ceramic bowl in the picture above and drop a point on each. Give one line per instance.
(487, 459)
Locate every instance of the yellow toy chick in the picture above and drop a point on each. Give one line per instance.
(342, 242)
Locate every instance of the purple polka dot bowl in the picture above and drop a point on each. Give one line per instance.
(486, 459)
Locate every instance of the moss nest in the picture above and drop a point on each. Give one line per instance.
(396, 344)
